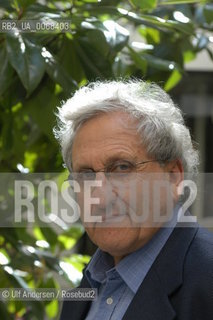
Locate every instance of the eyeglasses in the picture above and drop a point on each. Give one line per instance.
(120, 171)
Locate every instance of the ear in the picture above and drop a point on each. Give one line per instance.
(175, 171)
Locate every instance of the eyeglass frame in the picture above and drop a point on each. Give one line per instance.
(107, 172)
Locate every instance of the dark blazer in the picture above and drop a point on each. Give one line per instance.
(179, 285)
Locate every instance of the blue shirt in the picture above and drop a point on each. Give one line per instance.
(118, 284)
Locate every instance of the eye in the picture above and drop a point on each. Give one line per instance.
(86, 175)
(122, 167)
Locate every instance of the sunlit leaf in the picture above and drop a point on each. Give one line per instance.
(174, 78)
(151, 35)
(52, 309)
(160, 23)
(189, 56)
(151, 20)
(115, 35)
(30, 159)
(68, 242)
(81, 258)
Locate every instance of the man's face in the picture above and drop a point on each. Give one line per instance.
(101, 141)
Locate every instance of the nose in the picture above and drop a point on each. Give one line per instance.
(105, 197)
(103, 192)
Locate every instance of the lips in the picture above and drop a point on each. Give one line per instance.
(115, 218)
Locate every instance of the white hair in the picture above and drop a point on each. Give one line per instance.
(160, 122)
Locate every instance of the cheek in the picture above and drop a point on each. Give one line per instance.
(148, 200)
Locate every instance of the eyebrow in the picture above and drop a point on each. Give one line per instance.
(116, 157)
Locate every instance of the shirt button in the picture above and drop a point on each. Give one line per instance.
(109, 300)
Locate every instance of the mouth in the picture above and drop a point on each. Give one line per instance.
(115, 218)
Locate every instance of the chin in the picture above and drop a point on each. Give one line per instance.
(115, 241)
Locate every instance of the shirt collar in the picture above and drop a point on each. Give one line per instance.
(96, 271)
(134, 267)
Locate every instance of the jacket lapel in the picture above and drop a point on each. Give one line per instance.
(165, 276)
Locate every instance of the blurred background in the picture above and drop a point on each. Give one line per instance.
(166, 41)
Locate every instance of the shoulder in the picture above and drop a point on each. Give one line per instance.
(193, 299)
(201, 249)
(198, 264)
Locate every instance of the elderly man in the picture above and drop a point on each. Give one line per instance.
(126, 138)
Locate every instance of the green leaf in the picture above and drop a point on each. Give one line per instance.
(42, 107)
(189, 56)
(144, 4)
(67, 242)
(90, 59)
(6, 71)
(151, 35)
(52, 309)
(148, 20)
(26, 59)
(160, 23)
(138, 59)
(57, 73)
(160, 64)
(116, 36)
(49, 235)
(69, 59)
(174, 78)
(96, 39)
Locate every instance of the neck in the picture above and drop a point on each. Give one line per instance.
(117, 259)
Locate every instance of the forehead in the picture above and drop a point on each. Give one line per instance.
(104, 136)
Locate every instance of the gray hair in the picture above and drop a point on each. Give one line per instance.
(160, 122)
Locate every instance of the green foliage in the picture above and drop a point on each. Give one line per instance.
(39, 69)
